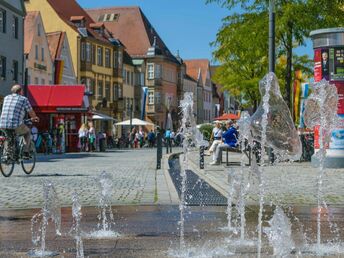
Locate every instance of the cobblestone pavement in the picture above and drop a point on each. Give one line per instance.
(286, 183)
(135, 179)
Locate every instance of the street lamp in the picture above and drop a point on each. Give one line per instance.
(272, 57)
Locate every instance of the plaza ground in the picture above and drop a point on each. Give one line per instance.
(145, 203)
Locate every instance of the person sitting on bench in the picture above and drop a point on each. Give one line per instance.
(230, 141)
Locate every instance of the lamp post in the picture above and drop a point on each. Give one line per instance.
(272, 55)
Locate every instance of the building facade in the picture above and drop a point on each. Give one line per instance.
(157, 68)
(12, 13)
(39, 65)
(60, 54)
(97, 57)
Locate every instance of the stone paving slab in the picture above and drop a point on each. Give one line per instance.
(285, 183)
(135, 179)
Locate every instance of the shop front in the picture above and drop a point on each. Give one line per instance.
(62, 110)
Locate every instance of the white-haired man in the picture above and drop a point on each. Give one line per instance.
(14, 109)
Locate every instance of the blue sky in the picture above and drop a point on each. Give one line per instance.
(185, 25)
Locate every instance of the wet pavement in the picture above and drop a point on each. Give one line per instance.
(152, 231)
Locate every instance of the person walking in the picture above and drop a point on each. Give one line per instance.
(83, 133)
(141, 137)
(91, 137)
(14, 109)
(168, 140)
(151, 138)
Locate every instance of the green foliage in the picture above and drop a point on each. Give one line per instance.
(206, 130)
(242, 41)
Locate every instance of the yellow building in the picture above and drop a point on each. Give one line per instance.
(97, 57)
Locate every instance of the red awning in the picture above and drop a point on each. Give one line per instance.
(227, 117)
(56, 98)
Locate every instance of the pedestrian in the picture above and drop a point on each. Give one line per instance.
(141, 137)
(151, 138)
(132, 135)
(34, 133)
(230, 141)
(91, 137)
(83, 133)
(216, 136)
(168, 140)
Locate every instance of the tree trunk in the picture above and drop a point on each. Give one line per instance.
(288, 77)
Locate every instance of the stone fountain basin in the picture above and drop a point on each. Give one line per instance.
(152, 231)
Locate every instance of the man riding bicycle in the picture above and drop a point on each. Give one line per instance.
(13, 112)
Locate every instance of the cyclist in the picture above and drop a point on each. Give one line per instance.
(13, 112)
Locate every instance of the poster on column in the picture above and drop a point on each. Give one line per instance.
(337, 64)
(317, 65)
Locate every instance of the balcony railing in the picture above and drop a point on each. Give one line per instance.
(154, 82)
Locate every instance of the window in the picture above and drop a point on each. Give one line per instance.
(100, 56)
(115, 92)
(107, 58)
(88, 52)
(36, 52)
(150, 71)
(100, 90)
(132, 78)
(2, 20)
(42, 81)
(157, 71)
(15, 70)
(120, 59)
(15, 27)
(3, 67)
(115, 59)
(39, 29)
(93, 54)
(107, 90)
(42, 54)
(36, 80)
(83, 51)
(151, 98)
(157, 98)
(120, 95)
(128, 77)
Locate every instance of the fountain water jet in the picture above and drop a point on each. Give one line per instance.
(273, 127)
(51, 211)
(320, 111)
(279, 234)
(191, 137)
(75, 230)
(105, 217)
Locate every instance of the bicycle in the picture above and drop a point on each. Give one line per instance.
(12, 152)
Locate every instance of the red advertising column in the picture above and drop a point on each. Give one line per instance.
(328, 47)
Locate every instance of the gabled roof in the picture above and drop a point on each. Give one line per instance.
(72, 9)
(188, 77)
(132, 27)
(195, 67)
(29, 30)
(55, 41)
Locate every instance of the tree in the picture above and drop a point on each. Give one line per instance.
(294, 21)
(242, 52)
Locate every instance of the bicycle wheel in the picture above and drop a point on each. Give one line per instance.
(28, 163)
(6, 163)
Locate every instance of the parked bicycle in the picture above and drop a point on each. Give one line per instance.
(12, 152)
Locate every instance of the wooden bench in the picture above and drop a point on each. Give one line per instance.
(247, 152)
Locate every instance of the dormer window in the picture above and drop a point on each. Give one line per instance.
(78, 21)
(98, 27)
